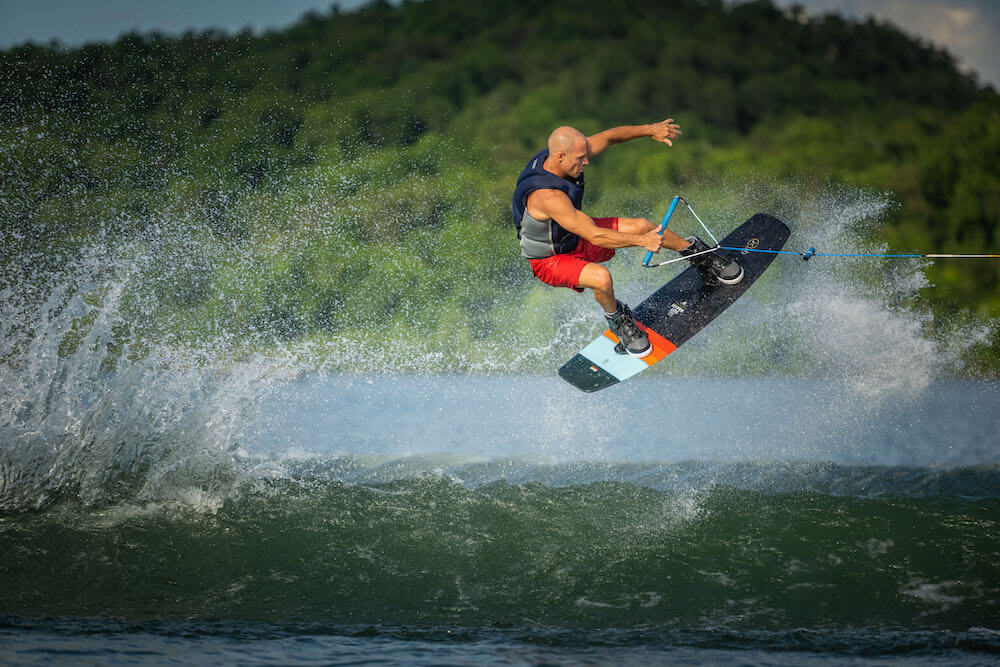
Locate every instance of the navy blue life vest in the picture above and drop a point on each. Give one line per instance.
(535, 177)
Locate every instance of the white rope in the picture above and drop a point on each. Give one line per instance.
(703, 226)
(694, 254)
(681, 258)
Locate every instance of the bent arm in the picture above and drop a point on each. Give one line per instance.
(556, 205)
(664, 132)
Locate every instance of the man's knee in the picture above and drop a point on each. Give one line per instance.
(604, 282)
(597, 278)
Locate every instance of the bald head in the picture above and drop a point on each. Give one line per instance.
(569, 152)
(566, 139)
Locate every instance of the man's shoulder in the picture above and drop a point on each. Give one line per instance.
(545, 200)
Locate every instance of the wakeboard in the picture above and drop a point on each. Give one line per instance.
(681, 308)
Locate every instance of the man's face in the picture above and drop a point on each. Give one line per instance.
(576, 158)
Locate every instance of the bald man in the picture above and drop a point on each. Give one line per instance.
(566, 247)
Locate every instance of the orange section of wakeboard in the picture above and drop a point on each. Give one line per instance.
(661, 346)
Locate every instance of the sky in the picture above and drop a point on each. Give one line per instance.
(969, 29)
(75, 22)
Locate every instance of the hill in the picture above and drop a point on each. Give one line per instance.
(327, 173)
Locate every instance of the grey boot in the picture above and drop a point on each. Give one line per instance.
(634, 340)
(727, 271)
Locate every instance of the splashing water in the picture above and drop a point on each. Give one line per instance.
(112, 391)
(851, 320)
(96, 410)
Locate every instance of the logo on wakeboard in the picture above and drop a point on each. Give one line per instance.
(753, 243)
(675, 309)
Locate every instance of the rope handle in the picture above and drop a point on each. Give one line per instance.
(663, 226)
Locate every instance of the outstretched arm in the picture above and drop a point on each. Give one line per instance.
(663, 132)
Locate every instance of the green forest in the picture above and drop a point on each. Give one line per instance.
(353, 172)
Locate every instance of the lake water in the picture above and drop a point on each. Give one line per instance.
(802, 483)
(510, 520)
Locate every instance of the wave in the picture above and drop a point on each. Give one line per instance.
(516, 544)
(686, 477)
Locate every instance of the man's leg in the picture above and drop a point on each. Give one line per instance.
(634, 340)
(597, 278)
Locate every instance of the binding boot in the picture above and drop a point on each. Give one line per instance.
(632, 340)
(723, 269)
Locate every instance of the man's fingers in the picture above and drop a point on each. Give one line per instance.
(669, 130)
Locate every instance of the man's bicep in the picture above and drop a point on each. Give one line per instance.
(546, 204)
(556, 205)
(598, 142)
(574, 221)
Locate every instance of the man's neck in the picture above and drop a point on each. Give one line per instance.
(550, 166)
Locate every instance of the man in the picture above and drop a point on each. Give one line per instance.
(566, 247)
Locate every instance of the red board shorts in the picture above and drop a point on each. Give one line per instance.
(564, 270)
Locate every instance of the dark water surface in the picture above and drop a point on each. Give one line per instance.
(437, 520)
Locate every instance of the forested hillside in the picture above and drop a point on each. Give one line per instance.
(364, 161)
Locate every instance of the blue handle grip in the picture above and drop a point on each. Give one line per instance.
(663, 225)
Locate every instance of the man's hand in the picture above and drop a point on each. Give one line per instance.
(664, 131)
(653, 241)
